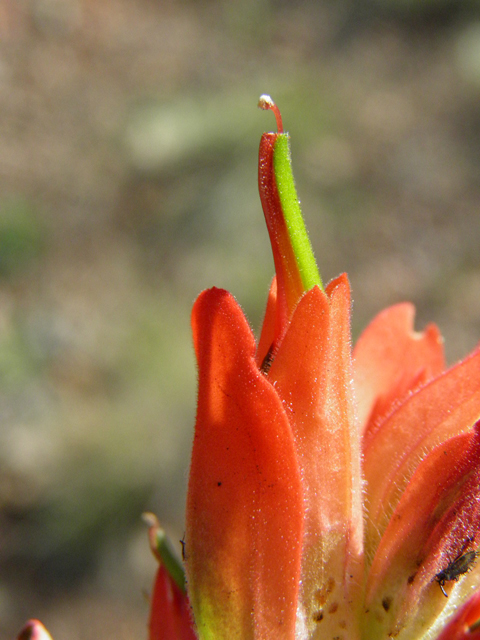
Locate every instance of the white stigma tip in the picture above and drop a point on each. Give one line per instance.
(265, 102)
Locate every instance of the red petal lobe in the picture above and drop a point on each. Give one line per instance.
(391, 359)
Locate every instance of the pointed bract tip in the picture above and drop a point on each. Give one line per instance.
(150, 519)
(155, 532)
(163, 551)
(34, 630)
(266, 103)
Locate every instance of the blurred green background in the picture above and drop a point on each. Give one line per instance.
(128, 148)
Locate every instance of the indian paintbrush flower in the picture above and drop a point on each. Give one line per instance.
(333, 494)
(327, 493)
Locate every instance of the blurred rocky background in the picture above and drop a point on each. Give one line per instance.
(128, 148)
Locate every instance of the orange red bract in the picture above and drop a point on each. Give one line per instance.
(386, 438)
(330, 490)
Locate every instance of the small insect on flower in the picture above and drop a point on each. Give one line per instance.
(455, 569)
(268, 359)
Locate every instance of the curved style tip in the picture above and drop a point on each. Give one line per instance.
(266, 103)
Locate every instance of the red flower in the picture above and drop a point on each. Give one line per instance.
(296, 448)
(329, 496)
